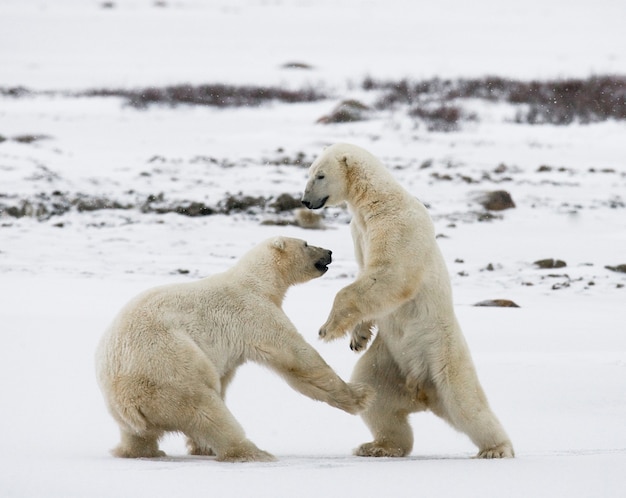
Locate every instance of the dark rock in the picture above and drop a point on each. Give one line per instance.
(240, 202)
(346, 111)
(195, 209)
(549, 263)
(296, 65)
(487, 217)
(618, 268)
(29, 139)
(286, 202)
(86, 203)
(498, 303)
(497, 200)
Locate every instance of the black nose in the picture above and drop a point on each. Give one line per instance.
(306, 204)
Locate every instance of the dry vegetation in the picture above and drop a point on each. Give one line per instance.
(216, 95)
(560, 102)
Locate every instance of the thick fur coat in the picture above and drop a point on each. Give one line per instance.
(419, 358)
(166, 360)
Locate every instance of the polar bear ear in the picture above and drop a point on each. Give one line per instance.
(345, 159)
(278, 243)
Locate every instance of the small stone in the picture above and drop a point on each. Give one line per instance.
(497, 200)
(550, 263)
(346, 111)
(285, 202)
(498, 303)
(618, 268)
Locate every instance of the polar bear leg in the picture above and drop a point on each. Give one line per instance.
(464, 406)
(307, 372)
(133, 445)
(211, 427)
(387, 417)
(197, 447)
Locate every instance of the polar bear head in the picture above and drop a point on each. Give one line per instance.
(287, 260)
(328, 179)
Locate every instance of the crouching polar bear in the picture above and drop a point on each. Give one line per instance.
(166, 360)
(419, 359)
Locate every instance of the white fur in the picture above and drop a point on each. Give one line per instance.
(166, 360)
(419, 359)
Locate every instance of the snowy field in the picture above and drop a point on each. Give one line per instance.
(554, 368)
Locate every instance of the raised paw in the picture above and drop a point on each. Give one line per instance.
(376, 449)
(504, 450)
(328, 334)
(361, 335)
(334, 328)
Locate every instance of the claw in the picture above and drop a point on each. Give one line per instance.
(355, 346)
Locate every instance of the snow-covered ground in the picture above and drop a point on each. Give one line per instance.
(554, 369)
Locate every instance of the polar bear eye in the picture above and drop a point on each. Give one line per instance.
(320, 177)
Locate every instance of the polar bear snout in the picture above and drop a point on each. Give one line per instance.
(322, 263)
(313, 204)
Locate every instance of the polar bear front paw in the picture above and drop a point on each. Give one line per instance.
(504, 450)
(328, 334)
(362, 397)
(361, 335)
(334, 328)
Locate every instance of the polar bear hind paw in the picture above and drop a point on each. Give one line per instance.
(504, 450)
(375, 449)
(198, 449)
(248, 454)
(124, 452)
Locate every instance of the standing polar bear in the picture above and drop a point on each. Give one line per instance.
(166, 360)
(419, 359)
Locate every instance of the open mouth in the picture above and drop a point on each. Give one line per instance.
(321, 265)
